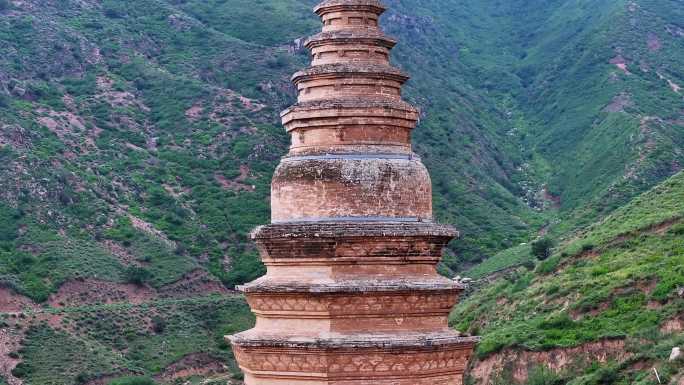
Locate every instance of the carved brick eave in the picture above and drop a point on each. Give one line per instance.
(350, 5)
(335, 244)
(268, 285)
(338, 105)
(416, 360)
(359, 109)
(413, 341)
(346, 70)
(369, 37)
(353, 230)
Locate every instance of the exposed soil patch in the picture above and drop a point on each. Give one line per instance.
(197, 282)
(519, 362)
(121, 253)
(579, 314)
(620, 63)
(654, 43)
(237, 183)
(177, 192)
(250, 104)
(199, 364)
(91, 291)
(10, 341)
(69, 128)
(555, 200)
(674, 86)
(647, 287)
(657, 229)
(13, 136)
(194, 112)
(117, 98)
(11, 302)
(150, 229)
(227, 103)
(673, 325)
(647, 148)
(619, 103)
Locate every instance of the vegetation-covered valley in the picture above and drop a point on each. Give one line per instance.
(138, 139)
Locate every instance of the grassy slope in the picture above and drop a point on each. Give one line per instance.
(617, 279)
(603, 158)
(487, 135)
(131, 70)
(595, 135)
(96, 140)
(109, 339)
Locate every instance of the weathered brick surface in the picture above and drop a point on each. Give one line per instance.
(351, 295)
(314, 189)
(362, 360)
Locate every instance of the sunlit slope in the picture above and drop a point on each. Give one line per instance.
(621, 278)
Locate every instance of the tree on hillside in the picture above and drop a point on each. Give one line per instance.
(541, 248)
(137, 275)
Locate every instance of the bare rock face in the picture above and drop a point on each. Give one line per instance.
(352, 295)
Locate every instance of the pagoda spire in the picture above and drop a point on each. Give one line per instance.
(351, 295)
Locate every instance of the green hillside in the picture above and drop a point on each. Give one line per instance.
(621, 279)
(138, 139)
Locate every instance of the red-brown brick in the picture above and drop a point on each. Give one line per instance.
(351, 295)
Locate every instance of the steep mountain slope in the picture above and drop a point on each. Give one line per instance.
(608, 107)
(164, 115)
(137, 142)
(594, 87)
(606, 308)
(138, 138)
(593, 91)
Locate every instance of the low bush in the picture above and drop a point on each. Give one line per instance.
(542, 248)
(132, 381)
(137, 275)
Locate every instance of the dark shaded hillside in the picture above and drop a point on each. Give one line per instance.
(610, 300)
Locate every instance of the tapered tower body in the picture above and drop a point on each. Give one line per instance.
(352, 295)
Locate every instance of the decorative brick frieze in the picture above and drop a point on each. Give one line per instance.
(352, 243)
(361, 359)
(345, 305)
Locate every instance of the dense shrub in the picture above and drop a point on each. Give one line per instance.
(21, 370)
(542, 248)
(158, 324)
(137, 275)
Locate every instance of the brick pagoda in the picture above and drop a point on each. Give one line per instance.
(352, 296)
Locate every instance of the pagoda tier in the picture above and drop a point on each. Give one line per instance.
(351, 294)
